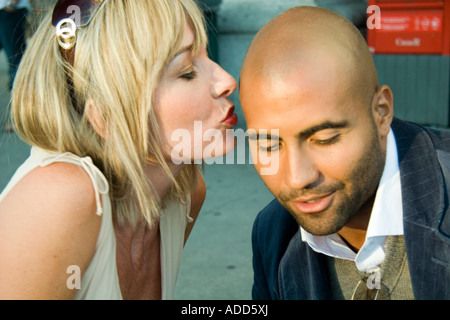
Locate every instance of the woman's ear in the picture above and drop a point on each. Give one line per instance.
(95, 118)
(383, 110)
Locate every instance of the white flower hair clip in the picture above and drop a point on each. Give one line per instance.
(66, 35)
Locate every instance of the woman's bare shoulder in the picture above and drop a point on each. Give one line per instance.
(47, 223)
(64, 187)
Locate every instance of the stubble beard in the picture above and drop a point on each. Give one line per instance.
(351, 194)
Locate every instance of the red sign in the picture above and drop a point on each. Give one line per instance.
(417, 28)
(430, 21)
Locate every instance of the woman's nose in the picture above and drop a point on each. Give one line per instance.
(224, 83)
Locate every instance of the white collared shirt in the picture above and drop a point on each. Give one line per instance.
(386, 220)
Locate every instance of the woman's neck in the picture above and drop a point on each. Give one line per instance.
(159, 178)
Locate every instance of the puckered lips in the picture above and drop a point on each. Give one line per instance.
(231, 118)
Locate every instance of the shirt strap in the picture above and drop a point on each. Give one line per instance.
(99, 181)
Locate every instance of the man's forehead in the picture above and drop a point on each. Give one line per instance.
(299, 44)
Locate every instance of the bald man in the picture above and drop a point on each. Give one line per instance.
(362, 198)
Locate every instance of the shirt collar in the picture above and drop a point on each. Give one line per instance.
(387, 213)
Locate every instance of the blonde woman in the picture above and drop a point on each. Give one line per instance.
(98, 97)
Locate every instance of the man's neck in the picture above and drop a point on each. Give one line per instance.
(354, 232)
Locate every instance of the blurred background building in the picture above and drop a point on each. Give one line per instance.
(420, 80)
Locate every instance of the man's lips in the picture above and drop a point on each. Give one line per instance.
(314, 204)
(231, 118)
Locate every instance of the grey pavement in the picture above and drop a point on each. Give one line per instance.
(217, 258)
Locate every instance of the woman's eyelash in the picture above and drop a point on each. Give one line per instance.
(189, 76)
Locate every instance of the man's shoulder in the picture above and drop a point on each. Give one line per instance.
(409, 133)
(273, 230)
(274, 214)
(424, 158)
(276, 221)
(414, 142)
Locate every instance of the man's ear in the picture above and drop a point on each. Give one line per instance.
(383, 110)
(95, 118)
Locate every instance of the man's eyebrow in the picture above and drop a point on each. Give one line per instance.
(323, 126)
(252, 135)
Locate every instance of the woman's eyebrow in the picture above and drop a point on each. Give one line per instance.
(187, 48)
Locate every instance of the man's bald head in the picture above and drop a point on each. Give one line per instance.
(311, 101)
(300, 39)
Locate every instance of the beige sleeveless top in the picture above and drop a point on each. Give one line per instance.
(101, 281)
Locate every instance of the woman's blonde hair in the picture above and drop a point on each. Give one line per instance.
(118, 61)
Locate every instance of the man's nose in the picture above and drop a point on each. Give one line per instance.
(301, 171)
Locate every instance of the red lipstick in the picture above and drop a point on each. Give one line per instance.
(231, 118)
